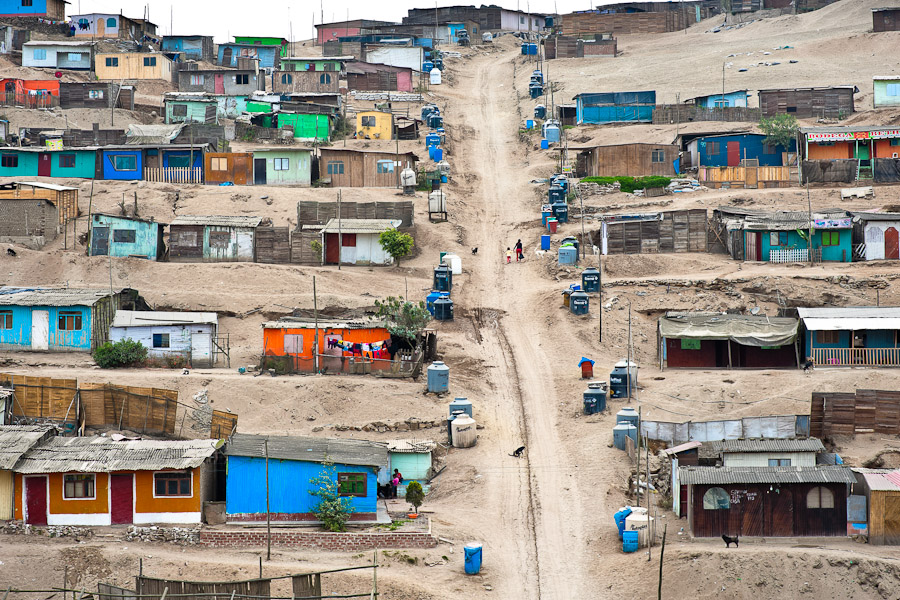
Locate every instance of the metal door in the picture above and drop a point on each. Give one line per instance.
(891, 243)
(40, 330)
(348, 248)
(44, 164)
(259, 171)
(36, 500)
(99, 241)
(751, 247)
(734, 154)
(220, 83)
(241, 169)
(121, 498)
(332, 250)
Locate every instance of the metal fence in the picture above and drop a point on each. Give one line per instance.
(403, 365)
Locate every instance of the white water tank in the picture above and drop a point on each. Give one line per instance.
(435, 76)
(444, 168)
(463, 431)
(437, 201)
(454, 262)
(408, 178)
(645, 526)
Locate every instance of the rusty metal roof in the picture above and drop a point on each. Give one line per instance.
(769, 445)
(16, 440)
(731, 475)
(98, 454)
(310, 449)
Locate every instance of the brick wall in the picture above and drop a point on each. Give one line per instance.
(28, 218)
(348, 542)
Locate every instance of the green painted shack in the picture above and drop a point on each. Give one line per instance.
(314, 63)
(188, 107)
(43, 162)
(306, 126)
(262, 106)
(282, 166)
(263, 41)
(412, 458)
(887, 91)
(115, 235)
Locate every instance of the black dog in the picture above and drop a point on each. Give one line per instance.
(518, 452)
(808, 365)
(730, 540)
(11, 252)
(475, 250)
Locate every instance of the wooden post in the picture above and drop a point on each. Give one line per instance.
(340, 235)
(164, 594)
(141, 566)
(375, 574)
(729, 354)
(65, 583)
(316, 316)
(661, 552)
(638, 454)
(268, 514)
(260, 567)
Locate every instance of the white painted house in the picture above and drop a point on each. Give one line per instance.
(768, 452)
(170, 335)
(876, 235)
(67, 54)
(355, 241)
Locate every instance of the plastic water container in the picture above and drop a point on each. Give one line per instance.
(438, 377)
(443, 278)
(597, 397)
(619, 518)
(552, 223)
(529, 124)
(461, 405)
(618, 379)
(568, 255)
(561, 212)
(556, 194)
(545, 145)
(622, 431)
(472, 551)
(590, 279)
(579, 303)
(628, 415)
(454, 262)
(431, 297)
(443, 309)
(546, 213)
(540, 111)
(545, 242)
(629, 541)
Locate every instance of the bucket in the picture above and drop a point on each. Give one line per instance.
(545, 242)
(629, 542)
(551, 225)
(472, 551)
(545, 145)
(529, 124)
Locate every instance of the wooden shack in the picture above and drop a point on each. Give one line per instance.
(882, 491)
(806, 103)
(233, 167)
(634, 160)
(664, 18)
(560, 46)
(652, 233)
(363, 168)
(64, 198)
(95, 94)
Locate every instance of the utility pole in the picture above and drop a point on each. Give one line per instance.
(661, 552)
(628, 362)
(340, 235)
(316, 317)
(268, 513)
(809, 208)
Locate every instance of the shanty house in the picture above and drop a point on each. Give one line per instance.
(326, 32)
(268, 56)
(231, 82)
(191, 107)
(32, 222)
(307, 126)
(254, 40)
(154, 162)
(877, 234)
(719, 340)
(64, 198)
(44, 162)
(52, 54)
(95, 94)
(845, 154)
(282, 166)
(284, 466)
(731, 149)
(107, 25)
(213, 239)
(881, 489)
(685, 454)
(287, 82)
(229, 167)
(768, 452)
(170, 336)
(852, 336)
(115, 235)
(807, 103)
(413, 459)
(728, 99)
(367, 77)
(133, 65)
(886, 19)
(328, 64)
(374, 125)
(190, 47)
(411, 57)
(886, 90)
(363, 168)
(96, 481)
(634, 160)
(355, 241)
(52, 9)
(615, 107)
(15, 441)
(60, 319)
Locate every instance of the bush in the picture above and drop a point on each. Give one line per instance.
(396, 243)
(124, 353)
(630, 184)
(333, 510)
(415, 495)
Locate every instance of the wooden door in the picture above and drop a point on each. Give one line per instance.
(44, 164)
(682, 506)
(891, 519)
(6, 495)
(36, 500)
(259, 171)
(101, 27)
(734, 154)
(220, 83)
(332, 249)
(751, 253)
(751, 177)
(891, 244)
(241, 169)
(779, 516)
(226, 57)
(122, 498)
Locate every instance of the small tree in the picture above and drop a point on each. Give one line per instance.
(124, 353)
(396, 243)
(415, 495)
(780, 130)
(403, 319)
(333, 510)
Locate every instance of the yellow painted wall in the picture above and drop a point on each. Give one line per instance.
(146, 503)
(384, 125)
(131, 66)
(61, 506)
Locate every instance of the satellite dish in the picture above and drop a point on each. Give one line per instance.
(754, 310)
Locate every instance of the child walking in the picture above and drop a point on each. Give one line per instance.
(508, 255)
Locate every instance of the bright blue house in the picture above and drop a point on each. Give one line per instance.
(189, 47)
(852, 336)
(269, 56)
(114, 235)
(615, 107)
(782, 237)
(122, 164)
(293, 462)
(52, 9)
(153, 162)
(60, 319)
(728, 150)
(728, 99)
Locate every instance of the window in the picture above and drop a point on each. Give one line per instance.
(196, 79)
(218, 164)
(293, 343)
(6, 319)
(185, 239)
(791, 109)
(779, 462)
(895, 142)
(111, 22)
(66, 161)
(242, 79)
(768, 148)
(149, 61)
(778, 238)
(324, 78)
(112, 61)
(74, 56)
(712, 148)
(69, 321)
(828, 337)
(78, 486)
(124, 236)
(720, 103)
(219, 239)
(27, 3)
(716, 499)
(172, 484)
(179, 161)
(689, 344)
(831, 238)
(9, 160)
(329, 67)
(282, 164)
(125, 162)
(39, 54)
(384, 166)
(892, 89)
(820, 497)
(179, 110)
(160, 340)
(287, 78)
(335, 167)
(368, 121)
(658, 156)
(95, 94)
(352, 484)
(521, 20)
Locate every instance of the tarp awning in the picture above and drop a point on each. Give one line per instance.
(741, 329)
(152, 134)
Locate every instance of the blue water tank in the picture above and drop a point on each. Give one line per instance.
(545, 144)
(434, 121)
(551, 132)
(546, 213)
(590, 279)
(443, 278)
(535, 90)
(427, 66)
(443, 309)
(428, 110)
(529, 124)
(568, 255)
(560, 180)
(532, 49)
(561, 212)
(537, 76)
(556, 194)
(545, 242)
(438, 377)
(472, 551)
(579, 303)
(431, 150)
(540, 111)
(524, 48)
(432, 139)
(622, 431)
(618, 379)
(461, 404)
(431, 297)
(438, 154)
(629, 541)
(628, 415)
(620, 519)
(594, 398)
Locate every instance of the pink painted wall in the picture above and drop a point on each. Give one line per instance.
(404, 81)
(327, 34)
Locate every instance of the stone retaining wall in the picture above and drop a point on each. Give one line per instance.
(349, 542)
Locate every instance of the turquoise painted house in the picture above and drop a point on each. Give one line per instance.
(191, 107)
(282, 166)
(113, 235)
(413, 459)
(43, 162)
(852, 336)
(781, 237)
(292, 462)
(887, 91)
(60, 319)
(728, 99)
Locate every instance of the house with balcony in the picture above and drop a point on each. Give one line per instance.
(852, 336)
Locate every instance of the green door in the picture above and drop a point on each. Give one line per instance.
(862, 151)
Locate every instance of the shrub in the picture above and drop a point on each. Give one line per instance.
(333, 510)
(404, 319)
(630, 184)
(124, 353)
(415, 495)
(780, 130)
(396, 243)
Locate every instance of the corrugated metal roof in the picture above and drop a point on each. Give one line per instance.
(46, 186)
(58, 43)
(147, 318)
(730, 475)
(411, 446)
(769, 445)
(876, 216)
(217, 220)
(306, 323)
(882, 482)
(360, 225)
(19, 296)
(103, 455)
(15, 440)
(839, 129)
(310, 449)
(850, 312)
(682, 447)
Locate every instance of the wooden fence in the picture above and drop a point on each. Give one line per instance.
(43, 399)
(745, 177)
(223, 424)
(150, 587)
(673, 231)
(685, 113)
(26, 100)
(848, 413)
(311, 212)
(173, 174)
(856, 357)
(273, 245)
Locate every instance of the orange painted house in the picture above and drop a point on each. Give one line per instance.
(101, 481)
(294, 338)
